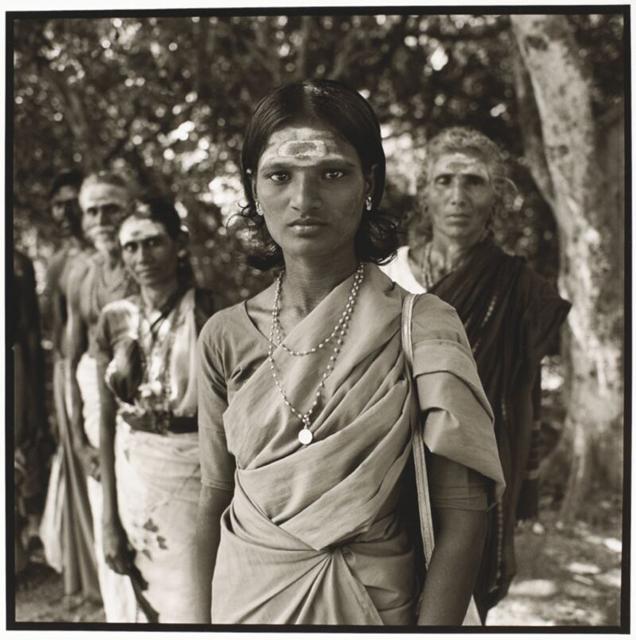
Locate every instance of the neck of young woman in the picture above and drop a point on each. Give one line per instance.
(308, 281)
(155, 296)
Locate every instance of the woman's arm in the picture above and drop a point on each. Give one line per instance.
(212, 503)
(217, 464)
(77, 334)
(115, 542)
(459, 542)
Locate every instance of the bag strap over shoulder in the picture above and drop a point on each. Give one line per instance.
(419, 457)
(419, 453)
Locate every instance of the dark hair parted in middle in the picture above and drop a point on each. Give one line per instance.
(67, 178)
(161, 209)
(352, 118)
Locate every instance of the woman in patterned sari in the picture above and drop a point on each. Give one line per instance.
(148, 443)
(305, 408)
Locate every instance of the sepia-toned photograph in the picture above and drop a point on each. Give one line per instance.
(316, 319)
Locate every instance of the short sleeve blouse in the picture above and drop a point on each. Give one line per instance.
(230, 349)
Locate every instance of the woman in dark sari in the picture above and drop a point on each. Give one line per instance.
(510, 313)
(306, 410)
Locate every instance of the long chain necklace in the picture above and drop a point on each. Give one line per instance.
(344, 317)
(305, 436)
(158, 391)
(426, 268)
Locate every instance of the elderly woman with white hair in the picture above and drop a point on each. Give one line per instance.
(511, 316)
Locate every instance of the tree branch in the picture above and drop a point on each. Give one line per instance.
(123, 139)
(562, 93)
(269, 62)
(530, 124)
(74, 112)
(303, 51)
(475, 34)
(344, 56)
(205, 40)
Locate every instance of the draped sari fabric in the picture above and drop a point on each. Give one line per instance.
(117, 593)
(511, 316)
(78, 563)
(158, 474)
(67, 529)
(94, 293)
(158, 484)
(313, 534)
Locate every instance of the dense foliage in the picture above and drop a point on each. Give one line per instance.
(166, 99)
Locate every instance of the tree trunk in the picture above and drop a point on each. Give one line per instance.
(580, 183)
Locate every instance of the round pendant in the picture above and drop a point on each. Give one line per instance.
(305, 436)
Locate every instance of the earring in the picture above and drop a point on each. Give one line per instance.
(368, 203)
(259, 209)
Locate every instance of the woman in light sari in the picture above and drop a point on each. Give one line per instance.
(149, 456)
(306, 409)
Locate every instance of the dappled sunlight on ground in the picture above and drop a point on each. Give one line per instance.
(566, 576)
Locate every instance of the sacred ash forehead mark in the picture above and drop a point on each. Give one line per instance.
(302, 149)
(303, 144)
(135, 230)
(101, 191)
(461, 163)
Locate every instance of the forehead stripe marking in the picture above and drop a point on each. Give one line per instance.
(303, 149)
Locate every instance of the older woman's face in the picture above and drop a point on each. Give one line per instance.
(311, 188)
(103, 208)
(149, 253)
(460, 196)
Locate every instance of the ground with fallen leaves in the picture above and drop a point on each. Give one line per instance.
(566, 576)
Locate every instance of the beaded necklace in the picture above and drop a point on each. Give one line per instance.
(429, 274)
(156, 394)
(426, 268)
(305, 436)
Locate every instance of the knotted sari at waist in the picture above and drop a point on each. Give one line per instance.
(313, 535)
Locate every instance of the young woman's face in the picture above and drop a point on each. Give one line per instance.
(149, 253)
(311, 188)
(460, 196)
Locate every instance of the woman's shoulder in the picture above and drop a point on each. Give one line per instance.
(205, 302)
(434, 319)
(434, 308)
(223, 322)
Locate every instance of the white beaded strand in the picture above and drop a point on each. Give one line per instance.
(344, 316)
(305, 436)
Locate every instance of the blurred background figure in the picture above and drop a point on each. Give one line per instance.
(511, 316)
(104, 198)
(30, 427)
(149, 447)
(66, 529)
